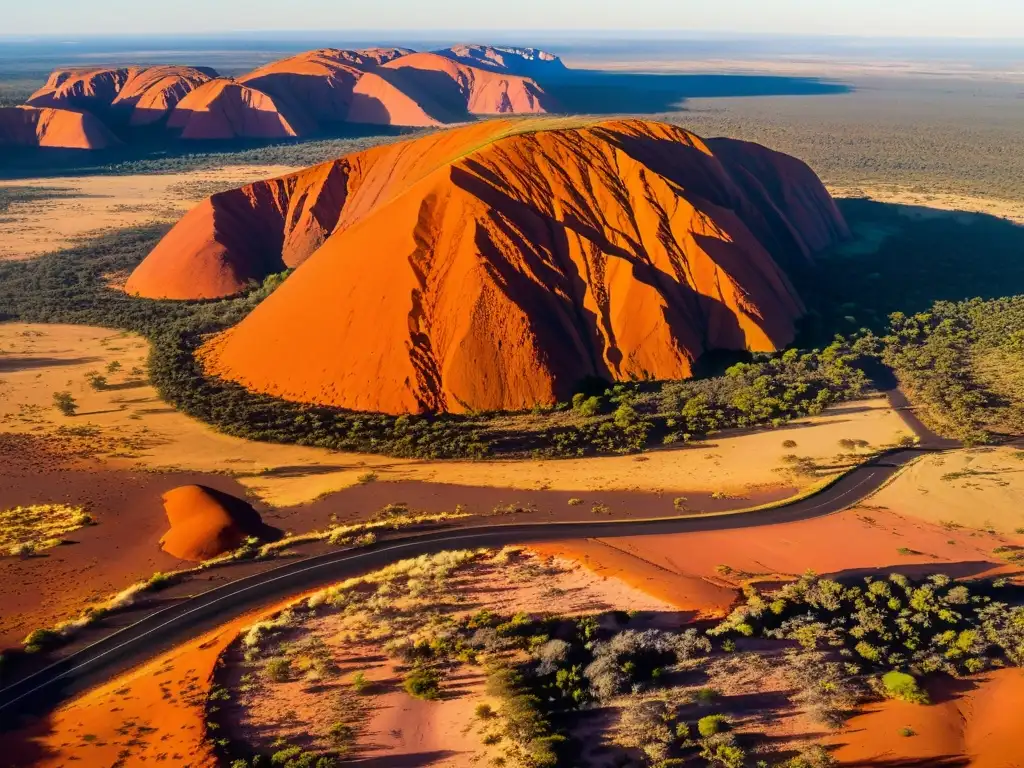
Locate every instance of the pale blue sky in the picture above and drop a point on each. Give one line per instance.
(900, 18)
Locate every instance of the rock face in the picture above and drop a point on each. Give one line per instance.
(531, 62)
(497, 265)
(206, 523)
(225, 109)
(308, 92)
(319, 82)
(89, 89)
(459, 89)
(48, 127)
(149, 95)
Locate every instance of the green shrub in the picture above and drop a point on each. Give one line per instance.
(709, 725)
(423, 683)
(900, 685)
(65, 403)
(279, 669)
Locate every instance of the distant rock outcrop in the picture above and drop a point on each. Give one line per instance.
(48, 127)
(206, 523)
(85, 89)
(225, 109)
(460, 89)
(497, 265)
(531, 62)
(148, 95)
(308, 92)
(319, 82)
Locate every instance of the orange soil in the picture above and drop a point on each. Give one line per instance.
(206, 522)
(156, 713)
(398, 729)
(224, 109)
(494, 266)
(49, 127)
(465, 88)
(703, 570)
(973, 722)
(150, 94)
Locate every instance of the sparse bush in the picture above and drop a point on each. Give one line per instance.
(709, 725)
(65, 403)
(279, 669)
(423, 683)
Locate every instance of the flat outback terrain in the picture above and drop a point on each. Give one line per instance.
(474, 405)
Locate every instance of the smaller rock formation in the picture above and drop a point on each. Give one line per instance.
(89, 89)
(49, 127)
(149, 95)
(206, 523)
(226, 109)
(462, 89)
(531, 62)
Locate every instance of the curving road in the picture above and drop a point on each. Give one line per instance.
(176, 624)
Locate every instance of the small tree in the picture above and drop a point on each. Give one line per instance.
(65, 403)
(113, 367)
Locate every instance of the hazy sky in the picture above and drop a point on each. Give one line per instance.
(901, 18)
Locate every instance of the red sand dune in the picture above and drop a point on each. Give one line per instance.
(47, 127)
(150, 94)
(973, 722)
(225, 109)
(206, 523)
(494, 267)
(91, 89)
(519, 61)
(460, 88)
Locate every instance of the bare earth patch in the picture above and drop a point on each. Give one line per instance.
(69, 209)
(979, 489)
(38, 360)
(932, 203)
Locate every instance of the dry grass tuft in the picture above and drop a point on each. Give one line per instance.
(27, 530)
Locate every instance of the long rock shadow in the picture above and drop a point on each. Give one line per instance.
(417, 760)
(597, 92)
(13, 363)
(960, 570)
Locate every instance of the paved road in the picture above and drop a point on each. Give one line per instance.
(176, 624)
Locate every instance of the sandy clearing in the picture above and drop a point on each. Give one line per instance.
(394, 727)
(923, 204)
(703, 570)
(38, 360)
(972, 719)
(89, 205)
(980, 488)
(155, 712)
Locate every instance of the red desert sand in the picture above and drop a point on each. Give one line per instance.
(206, 522)
(702, 571)
(495, 265)
(50, 127)
(155, 713)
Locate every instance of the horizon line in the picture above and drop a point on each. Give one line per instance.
(638, 34)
